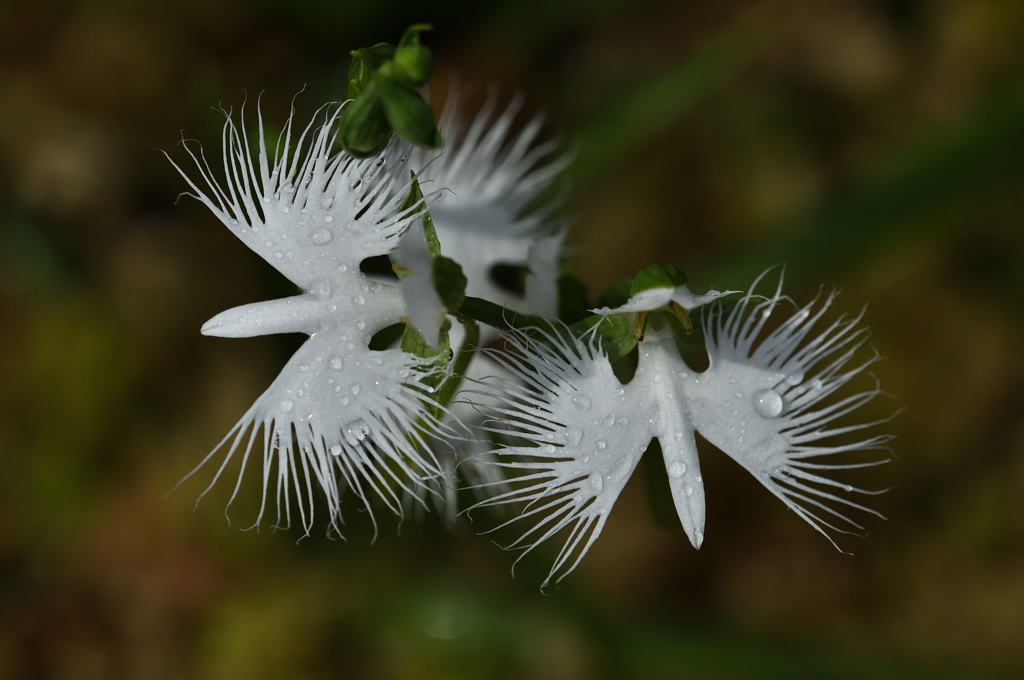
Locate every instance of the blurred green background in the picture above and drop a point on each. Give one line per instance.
(874, 146)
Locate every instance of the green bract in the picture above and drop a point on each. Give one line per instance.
(382, 82)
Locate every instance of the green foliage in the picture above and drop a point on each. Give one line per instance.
(449, 281)
(657, 276)
(382, 82)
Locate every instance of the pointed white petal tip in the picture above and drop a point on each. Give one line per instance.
(656, 298)
(696, 539)
(298, 314)
(688, 301)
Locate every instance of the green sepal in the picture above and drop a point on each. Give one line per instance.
(409, 115)
(412, 60)
(449, 282)
(364, 129)
(573, 304)
(414, 343)
(366, 62)
(412, 199)
(657, 276)
(615, 332)
(617, 294)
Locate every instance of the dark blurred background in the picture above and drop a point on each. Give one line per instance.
(874, 146)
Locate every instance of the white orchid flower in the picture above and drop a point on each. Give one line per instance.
(763, 401)
(484, 177)
(339, 415)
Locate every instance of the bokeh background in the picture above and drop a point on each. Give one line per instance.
(874, 146)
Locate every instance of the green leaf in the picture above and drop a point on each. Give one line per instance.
(449, 282)
(414, 198)
(657, 276)
(615, 332)
(364, 130)
(410, 116)
(573, 305)
(366, 62)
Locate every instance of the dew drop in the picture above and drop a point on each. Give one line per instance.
(322, 237)
(676, 469)
(582, 402)
(287, 405)
(359, 300)
(336, 363)
(328, 219)
(738, 395)
(356, 431)
(768, 402)
(602, 445)
(336, 450)
(573, 435)
(304, 367)
(279, 254)
(344, 400)
(354, 390)
(327, 202)
(360, 325)
(795, 378)
(609, 420)
(597, 482)
(689, 490)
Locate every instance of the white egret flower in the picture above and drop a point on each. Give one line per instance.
(484, 177)
(579, 433)
(339, 415)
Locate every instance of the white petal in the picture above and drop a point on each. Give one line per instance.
(582, 434)
(764, 402)
(424, 308)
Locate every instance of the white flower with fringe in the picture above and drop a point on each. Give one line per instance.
(575, 433)
(339, 415)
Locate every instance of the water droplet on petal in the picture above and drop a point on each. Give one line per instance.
(597, 482)
(602, 445)
(336, 363)
(354, 390)
(689, 490)
(609, 420)
(573, 435)
(768, 402)
(356, 431)
(304, 367)
(582, 402)
(287, 405)
(336, 450)
(328, 219)
(676, 469)
(795, 378)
